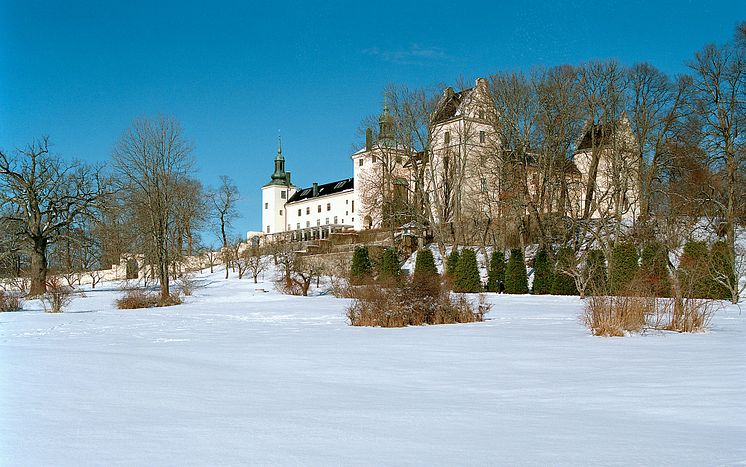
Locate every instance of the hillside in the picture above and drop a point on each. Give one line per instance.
(239, 376)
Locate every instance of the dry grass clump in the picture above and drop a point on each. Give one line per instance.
(617, 315)
(620, 315)
(10, 301)
(411, 305)
(136, 298)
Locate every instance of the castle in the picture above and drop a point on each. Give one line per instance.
(459, 177)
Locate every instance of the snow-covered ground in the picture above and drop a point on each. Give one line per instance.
(241, 377)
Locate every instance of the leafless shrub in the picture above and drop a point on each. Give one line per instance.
(138, 298)
(57, 296)
(407, 305)
(187, 284)
(10, 301)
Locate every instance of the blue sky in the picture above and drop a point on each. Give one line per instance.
(234, 73)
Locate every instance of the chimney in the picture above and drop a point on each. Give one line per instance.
(368, 139)
(315, 189)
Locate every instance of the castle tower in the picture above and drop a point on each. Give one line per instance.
(274, 196)
(386, 131)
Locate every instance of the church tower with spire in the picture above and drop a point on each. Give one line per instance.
(275, 194)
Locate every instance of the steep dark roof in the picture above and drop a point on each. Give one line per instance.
(449, 105)
(323, 190)
(602, 133)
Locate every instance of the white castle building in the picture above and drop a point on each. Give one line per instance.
(462, 133)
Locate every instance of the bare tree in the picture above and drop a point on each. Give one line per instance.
(720, 90)
(42, 196)
(151, 159)
(223, 201)
(255, 261)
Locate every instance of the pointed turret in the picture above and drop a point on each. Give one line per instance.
(280, 177)
(386, 134)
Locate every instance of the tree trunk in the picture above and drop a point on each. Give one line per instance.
(38, 267)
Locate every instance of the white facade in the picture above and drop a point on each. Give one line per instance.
(274, 214)
(336, 209)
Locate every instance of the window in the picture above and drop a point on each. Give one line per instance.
(297, 226)
(299, 212)
(267, 229)
(375, 159)
(280, 211)
(347, 213)
(347, 201)
(328, 206)
(352, 220)
(327, 221)
(318, 221)
(266, 205)
(308, 223)
(308, 210)
(353, 205)
(482, 137)
(484, 185)
(319, 208)
(481, 114)
(335, 219)
(283, 194)
(288, 226)
(343, 221)
(447, 137)
(361, 162)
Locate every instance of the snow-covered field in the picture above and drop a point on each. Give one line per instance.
(241, 377)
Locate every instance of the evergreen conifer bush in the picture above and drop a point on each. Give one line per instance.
(721, 271)
(452, 262)
(595, 265)
(467, 278)
(694, 270)
(361, 267)
(496, 273)
(623, 267)
(654, 269)
(389, 269)
(543, 272)
(516, 280)
(563, 283)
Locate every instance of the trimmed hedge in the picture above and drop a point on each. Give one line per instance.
(516, 280)
(654, 269)
(543, 272)
(389, 268)
(361, 267)
(496, 273)
(452, 262)
(595, 265)
(562, 283)
(623, 267)
(467, 277)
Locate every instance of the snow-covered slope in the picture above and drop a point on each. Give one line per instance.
(242, 377)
